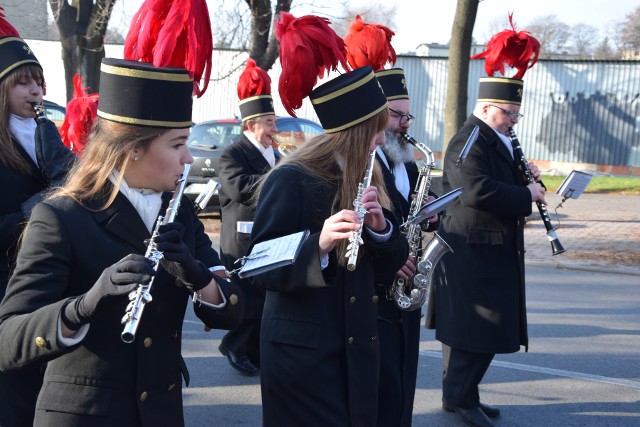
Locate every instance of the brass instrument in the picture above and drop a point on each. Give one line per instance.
(556, 246)
(285, 148)
(412, 294)
(142, 295)
(356, 237)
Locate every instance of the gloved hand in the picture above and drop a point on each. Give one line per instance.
(177, 259)
(117, 280)
(54, 159)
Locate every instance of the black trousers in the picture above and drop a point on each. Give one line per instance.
(18, 394)
(244, 340)
(462, 371)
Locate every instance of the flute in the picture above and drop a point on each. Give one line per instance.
(142, 295)
(356, 237)
(556, 246)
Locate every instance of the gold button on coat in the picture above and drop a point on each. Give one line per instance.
(41, 342)
(352, 300)
(350, 340)
(374, 299)
(147, 342)
(143, 396)
(233, 299)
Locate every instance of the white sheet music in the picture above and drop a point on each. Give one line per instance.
(273, 253)
(574, 184)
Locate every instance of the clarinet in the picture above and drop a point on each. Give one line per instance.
(356, 237)
(142, 295)
(556, 246)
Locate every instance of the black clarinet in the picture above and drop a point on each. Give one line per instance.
(556, 246)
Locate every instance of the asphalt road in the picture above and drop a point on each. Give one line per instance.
(582, 368)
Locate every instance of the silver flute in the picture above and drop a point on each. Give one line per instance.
(356, 237)
(142, 295)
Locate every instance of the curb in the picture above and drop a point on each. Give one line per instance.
(609, 269)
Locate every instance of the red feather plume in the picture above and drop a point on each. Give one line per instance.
(369, 44)
(309, 48)
(82, 111)
(253, 81)
(517, 49)
(6, 29)
(173, 33)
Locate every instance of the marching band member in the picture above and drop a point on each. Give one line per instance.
(319, 345)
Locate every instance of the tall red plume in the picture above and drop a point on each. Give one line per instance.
(369, 44)
(253, 81)
(308, 49)
(173, 33)
(82, 111)
(6, 29)
(518, 50)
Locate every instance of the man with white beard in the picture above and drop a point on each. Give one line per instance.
(398, 330)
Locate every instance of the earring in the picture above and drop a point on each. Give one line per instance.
(135, 158)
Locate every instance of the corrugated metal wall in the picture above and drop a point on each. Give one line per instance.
(575, 111)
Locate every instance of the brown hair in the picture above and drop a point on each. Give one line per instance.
(109, 148)
(9, 154)
(318, 158)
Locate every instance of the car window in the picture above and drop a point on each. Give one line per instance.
(214, 135)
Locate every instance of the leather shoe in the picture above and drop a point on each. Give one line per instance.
(241, 364)
(489, 411)
(473, 417)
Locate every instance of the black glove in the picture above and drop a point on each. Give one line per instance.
(54, 159)
(116, 280)
(177, 259)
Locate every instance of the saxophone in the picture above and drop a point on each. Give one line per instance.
(142, 295)
(412, 294)
(356, 237)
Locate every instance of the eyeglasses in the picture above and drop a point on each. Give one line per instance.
(404, 118)
(511, 114)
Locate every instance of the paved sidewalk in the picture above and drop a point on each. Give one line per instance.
(601, 232)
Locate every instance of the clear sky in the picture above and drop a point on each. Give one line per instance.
(430, 21)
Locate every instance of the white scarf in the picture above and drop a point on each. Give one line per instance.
(146, 202)
(23, 130)
(267, 152)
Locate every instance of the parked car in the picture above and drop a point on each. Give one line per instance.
(54, 112)
(209, 139)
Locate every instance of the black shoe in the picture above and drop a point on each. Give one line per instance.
(241, 364)
(471, 417)
(489, 411)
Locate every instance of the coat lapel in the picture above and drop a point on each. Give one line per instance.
(122, 220)
(254, 156)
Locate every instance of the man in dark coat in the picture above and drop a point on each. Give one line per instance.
(399, 330)
(241, 166)
(480, 290)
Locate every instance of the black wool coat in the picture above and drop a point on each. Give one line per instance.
(100, 381)
(319, 343)
(479, 290)
(241, 166)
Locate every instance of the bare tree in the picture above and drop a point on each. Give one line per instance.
(584, 38)
(552, 34)
(458, 76)
(604, 50)
(82, 25)
(377, 13)
(630, 33)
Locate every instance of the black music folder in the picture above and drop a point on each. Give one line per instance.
(433, 208)
(574, 185)
(271, 254)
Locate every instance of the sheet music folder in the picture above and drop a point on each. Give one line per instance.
(271, 254)
(434, 207)
(574, 184)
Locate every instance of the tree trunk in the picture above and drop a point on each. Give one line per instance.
(82, 30)
(263, 44)
(455, 111)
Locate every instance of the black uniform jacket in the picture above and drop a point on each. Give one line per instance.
(241, 166)
(101, 381)
(319, 346)
(479, 289)
(15, 189)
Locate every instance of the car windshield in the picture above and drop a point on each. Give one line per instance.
(214, 135)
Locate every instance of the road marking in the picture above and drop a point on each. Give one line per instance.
(549, 371)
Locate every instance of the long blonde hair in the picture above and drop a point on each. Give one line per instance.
(319, 158)
(109, 148)
(9, 154)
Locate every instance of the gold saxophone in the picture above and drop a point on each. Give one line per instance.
(411, 294)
